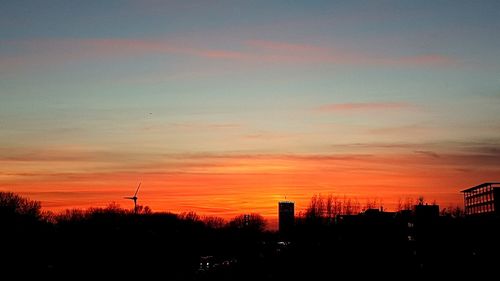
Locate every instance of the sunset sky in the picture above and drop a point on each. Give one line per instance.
(226, 107)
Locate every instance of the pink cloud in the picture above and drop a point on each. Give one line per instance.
(329, 55)
(62, 50)
(219, 54)
(364, 106)
(285, 47)
(44, 51)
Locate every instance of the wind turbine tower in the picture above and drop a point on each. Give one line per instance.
(134, 198)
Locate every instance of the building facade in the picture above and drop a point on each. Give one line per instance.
(483, 199)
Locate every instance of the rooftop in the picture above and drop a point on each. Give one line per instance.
(494, 184)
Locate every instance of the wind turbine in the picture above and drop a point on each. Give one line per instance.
(134, 198)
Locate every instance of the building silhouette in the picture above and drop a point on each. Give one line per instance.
(483, 199)
(286, 216)
(425, 212)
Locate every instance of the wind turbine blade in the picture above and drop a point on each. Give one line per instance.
(137, 190)
(128, 197)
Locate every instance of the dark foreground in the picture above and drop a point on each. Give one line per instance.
(156, 246)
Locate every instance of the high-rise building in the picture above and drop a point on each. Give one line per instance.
(483, 199)
(286, 216)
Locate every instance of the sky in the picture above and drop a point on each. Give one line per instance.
(226, 107)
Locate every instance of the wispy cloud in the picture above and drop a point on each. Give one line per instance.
(65, 154)
(285, 51)
(285, 47)
(399, 130)
(57, 51)
(190, 127)
(364, 106)
(266, 136)
(209, 126)
(428, 153)
(45, 51)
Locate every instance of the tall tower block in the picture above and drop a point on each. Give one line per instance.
(286, 216)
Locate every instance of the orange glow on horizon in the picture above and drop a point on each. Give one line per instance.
(229, 185)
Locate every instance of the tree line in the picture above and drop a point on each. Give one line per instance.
(117, 242)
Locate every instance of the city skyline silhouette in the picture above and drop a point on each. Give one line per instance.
(420, 240)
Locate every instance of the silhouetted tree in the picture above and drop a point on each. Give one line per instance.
(13, 205)
(145, 210)
(452, 211)
(337, 206)
(252, 221)
(214, 222)
(316, 209)
(347, 207)
(190, 216)
(70, 215)
(324, 209)
(420, 200)
(117, 240)
(399, 206)
(114, 207)
(372, 204)
(406, 204)
(48, 217)
(330, 209)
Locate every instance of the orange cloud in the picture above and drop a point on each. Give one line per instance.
(428, 153)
